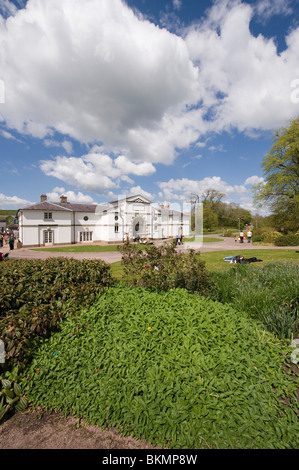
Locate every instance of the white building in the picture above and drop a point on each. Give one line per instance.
(49, 223)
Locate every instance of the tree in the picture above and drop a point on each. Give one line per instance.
(280, 190)
(210, 219)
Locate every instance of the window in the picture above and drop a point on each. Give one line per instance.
(48, 237)
(48, 216)
(116, 228)
(85, 236)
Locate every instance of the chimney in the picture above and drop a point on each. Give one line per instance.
(162, 205)
(166, 206)
(43, 198)
(63, 199)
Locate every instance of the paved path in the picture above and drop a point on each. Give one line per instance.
(113, 256)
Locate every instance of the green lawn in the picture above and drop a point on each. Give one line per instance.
(214, 260)
(102, 248)
(79, 248)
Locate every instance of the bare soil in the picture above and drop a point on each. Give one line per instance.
(44, 430)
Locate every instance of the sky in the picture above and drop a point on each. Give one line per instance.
(101, 99)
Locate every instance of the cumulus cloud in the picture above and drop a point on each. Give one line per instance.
(138, 190)
(183, 189)
(245, 82)
(253, 180)
(79, 197)
(14, 202)
(96, 172)
(94, 71)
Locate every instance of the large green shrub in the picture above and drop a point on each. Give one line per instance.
(36, 294)
(271, 237)
(172, 367)
(164, 268)
(287, 240)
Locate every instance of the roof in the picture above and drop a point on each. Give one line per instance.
(59, 206)
(2, 219)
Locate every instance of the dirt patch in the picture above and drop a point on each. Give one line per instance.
(43, 430)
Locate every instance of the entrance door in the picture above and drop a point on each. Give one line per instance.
(48, 237)
(139, 227)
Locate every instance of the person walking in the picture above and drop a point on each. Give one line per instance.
(11, 242)
(249, 236)
(241, 236)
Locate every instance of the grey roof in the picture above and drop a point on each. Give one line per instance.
(59, 206)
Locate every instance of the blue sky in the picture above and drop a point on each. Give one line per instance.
(105, 98)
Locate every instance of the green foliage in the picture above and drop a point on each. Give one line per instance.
(281, 187)
(11, 396)
(271, 237)
(287, 240)
(36, 294)
(210, 218)
(269, 293)
(172, 367)
(164, 268)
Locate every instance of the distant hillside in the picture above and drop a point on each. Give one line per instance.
(6, 212)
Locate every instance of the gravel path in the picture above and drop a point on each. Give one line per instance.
(113, 256)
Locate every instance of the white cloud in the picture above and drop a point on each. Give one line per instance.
(244, 80)
(78, 197)
(138, 190)
(14, 202)
(96, 72)
(7, 8)
(68, 146)
(183, 189)
(95, 171)
(177, 4)
(267, 8)
(253, 180)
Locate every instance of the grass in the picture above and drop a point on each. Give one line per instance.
(176, 369)
(268, 293)
(104, 248)
(79, 249)
(214, 260)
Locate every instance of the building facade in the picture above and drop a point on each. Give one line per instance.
(49, 223)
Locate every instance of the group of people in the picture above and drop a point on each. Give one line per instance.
(242, 238)
(7, 238)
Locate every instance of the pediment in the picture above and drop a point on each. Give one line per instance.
(138, 200)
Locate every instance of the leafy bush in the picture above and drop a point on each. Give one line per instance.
(163, 268)
(287, 240)
(172, 367)
(36, 294)
(269, 293)
(258, 238)
(271, 237)
(11, 397)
